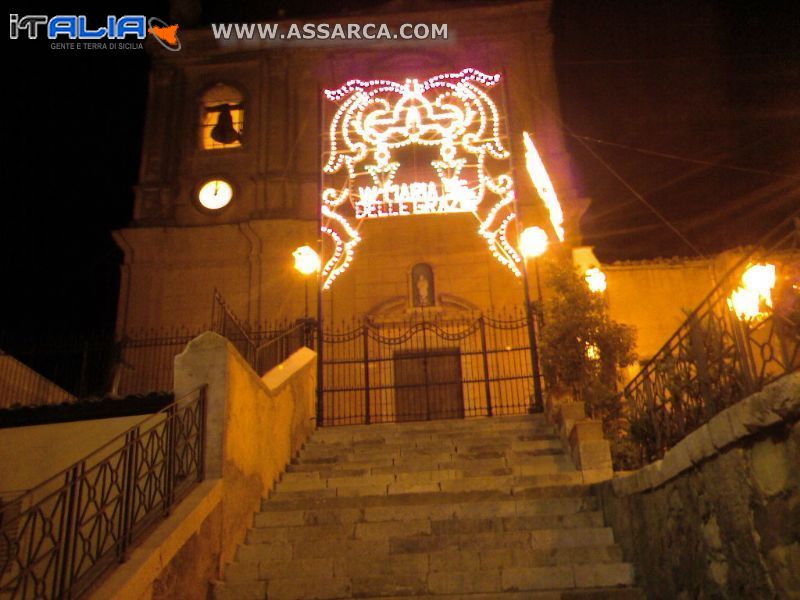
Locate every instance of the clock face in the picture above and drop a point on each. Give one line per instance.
(215, 194)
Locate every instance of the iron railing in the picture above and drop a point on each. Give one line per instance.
(277, 347)
(715, 359)
(140, 362)
(265, 347)
(146, 360)
(65, 367)
(58, 538)
(228, 325)
(426, 367)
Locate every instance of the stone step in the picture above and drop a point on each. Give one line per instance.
(292, 516)
(456, 469)
(398, 578)
(433, 438)
(433, 449)
(415, 538)
(468, 509)
(384, 485)
(224, 591)
(627, 593)
(327, 502)
(263, 566)
(335, 464)
(386, 528)
(396, 479)
(484, 426)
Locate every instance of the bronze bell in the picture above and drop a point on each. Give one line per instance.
(224, 132)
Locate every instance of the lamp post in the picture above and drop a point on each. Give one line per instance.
(306, 262)
(532, 244)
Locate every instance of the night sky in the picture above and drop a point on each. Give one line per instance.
(714, 85)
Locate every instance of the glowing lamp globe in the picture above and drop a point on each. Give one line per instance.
(533, 242)
(215, 194)
(752, 300)
(596, 280)
(306, 260)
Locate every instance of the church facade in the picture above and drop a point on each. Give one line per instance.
(254, 148)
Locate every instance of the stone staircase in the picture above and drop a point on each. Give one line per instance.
(474, 509)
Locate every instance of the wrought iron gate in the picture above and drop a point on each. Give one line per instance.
(426, 367)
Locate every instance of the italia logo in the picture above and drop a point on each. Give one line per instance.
(76, 28)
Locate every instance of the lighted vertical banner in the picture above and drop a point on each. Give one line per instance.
(432, 147)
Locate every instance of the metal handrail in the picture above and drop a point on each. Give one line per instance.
(711, 361)
(72, 527)
(275, 350)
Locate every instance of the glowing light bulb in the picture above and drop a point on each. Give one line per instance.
(533, 242)
(760, 278)
(596, 280)
(306, 260)
(752, 300)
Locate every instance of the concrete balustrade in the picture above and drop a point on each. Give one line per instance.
(254, 425)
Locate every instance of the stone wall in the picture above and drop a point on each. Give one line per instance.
(719, 516)
(254, 427)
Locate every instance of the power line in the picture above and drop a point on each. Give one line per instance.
(695, 161)
(621, 179)
(697, 58)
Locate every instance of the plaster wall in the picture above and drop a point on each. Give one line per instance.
(30, 455)
(655, 297)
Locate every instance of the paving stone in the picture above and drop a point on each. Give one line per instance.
(241, 572)
(409, 487)
(253, 590)
(298, 567)
(279, 519)
(454, 560)
(405, 564)
(537, 578)
(394, 585)
(465, 582)
(389, 529)
(603, 575)
(308, 588)
(398, 513)
(354, 549)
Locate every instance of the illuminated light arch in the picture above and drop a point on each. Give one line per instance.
(452, 116)
(543, 185)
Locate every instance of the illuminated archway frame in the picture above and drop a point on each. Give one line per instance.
(375, 118)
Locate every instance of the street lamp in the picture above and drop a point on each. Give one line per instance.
(307, 262)
(532, 244)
